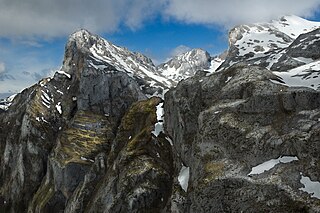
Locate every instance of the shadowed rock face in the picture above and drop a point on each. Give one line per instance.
(133, 174)
(224, 124)
(57, 137)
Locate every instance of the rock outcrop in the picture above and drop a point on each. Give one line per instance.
(68, 134)
(226, 123)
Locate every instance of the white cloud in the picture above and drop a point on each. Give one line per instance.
(179, 50)
(231, 12)
(49, 18)
(22, 67)
(2, 67)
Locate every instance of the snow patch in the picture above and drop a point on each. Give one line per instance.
(58, 91)
(266, 166)
(10, 99)
(170, 141)
(4, 107)
(59, 108)
(293, 25)
(83, 158)
(46, 105)
(158, 127)
(45, 97)
(183, 177)
(229, 78)
(311, 187)
(44, 120)
(260, 38)
(215, 64)
(274, 58)
(41, 119)
(304, 60)
(64, 73)
(98, 67)
(6, 103)
(307, 75)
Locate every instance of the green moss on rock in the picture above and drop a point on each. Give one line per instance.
(213, 170)
(42, 197)
(89, 134)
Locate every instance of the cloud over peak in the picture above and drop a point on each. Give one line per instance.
(58, 18)
(47, 18)
(232, 12)
(179, 50)
(2, 67)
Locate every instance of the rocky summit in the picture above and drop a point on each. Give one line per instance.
(112, 132)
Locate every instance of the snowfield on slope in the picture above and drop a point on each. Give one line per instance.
(104, 52)
(265, 37)
(304, 76)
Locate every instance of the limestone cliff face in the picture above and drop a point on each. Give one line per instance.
(129, 171)
(225, 124)
(58, 133)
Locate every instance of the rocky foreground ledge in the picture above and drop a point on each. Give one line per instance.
(226, 124)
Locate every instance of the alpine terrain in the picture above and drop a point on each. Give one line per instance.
(112, 132)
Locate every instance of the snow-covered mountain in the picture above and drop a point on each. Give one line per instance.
(281, 45)
(187, 64)
(104, 54)
(307, 75)
(255, 40)
(6, 76)
(165, 75)
(6, 103)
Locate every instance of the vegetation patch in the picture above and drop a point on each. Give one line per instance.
(42, 197)
(213, 171)
(89, 134)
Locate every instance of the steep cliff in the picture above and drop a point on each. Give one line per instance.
(64, 133)
(225, 124)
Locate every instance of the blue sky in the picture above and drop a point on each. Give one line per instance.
(159, 39)
(32, 42)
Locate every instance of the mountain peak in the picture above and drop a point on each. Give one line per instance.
(192, 55)
(186, 64)
(256, 40)
(81, 33)
(100, 55)
(292, 19)
(84, 38)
